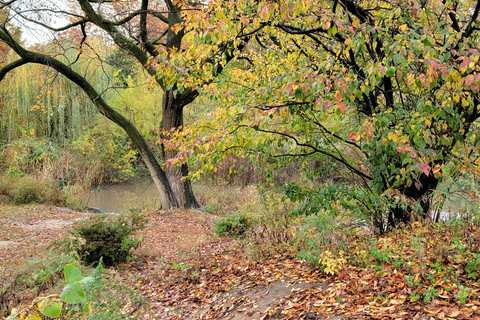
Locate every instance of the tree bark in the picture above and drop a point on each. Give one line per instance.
(172, 110)
(398, 215)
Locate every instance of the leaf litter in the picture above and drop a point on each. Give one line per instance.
(185, 272)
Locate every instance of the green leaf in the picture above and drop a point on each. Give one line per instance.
(390, 72)
(50, 307)
(73, 293)
(71, 272)
(398, 59)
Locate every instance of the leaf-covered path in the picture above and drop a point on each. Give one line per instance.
(184, 272)
(225, 280)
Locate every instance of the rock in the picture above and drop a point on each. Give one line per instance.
(95, 210)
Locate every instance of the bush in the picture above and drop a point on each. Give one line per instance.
(22, 189)
(233, 225)
(108, 236)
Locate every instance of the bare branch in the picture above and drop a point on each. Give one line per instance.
(6, 4)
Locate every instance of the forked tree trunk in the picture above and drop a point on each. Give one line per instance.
(172, 111)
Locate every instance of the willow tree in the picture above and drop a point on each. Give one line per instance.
(149, 31)
(387, 89)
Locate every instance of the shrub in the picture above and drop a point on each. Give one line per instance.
(233, 225)
(23, 189)
(108, 236)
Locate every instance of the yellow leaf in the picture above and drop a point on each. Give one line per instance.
(34, 316)
(403, 27)
(428, 123)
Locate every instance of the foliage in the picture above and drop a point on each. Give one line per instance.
(51, 306)
(23, 189)
(108, 237)
(388, 92)
(332, 264)
(82, 298)
(40, 170)
(37, 275)
(234, 225)
(123, 64)
(320, 233)
(39, 103)
(105, 149)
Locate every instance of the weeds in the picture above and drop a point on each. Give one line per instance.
(23, 189)
(233, 225)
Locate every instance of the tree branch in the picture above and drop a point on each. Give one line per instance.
(328, 154)
(9, 67)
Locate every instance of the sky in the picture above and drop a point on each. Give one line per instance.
(33, 33)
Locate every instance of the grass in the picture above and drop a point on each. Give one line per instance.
(221, 198)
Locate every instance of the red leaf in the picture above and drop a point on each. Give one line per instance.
(353, 135)
(425, 168)
(469, 80)
(305, 88)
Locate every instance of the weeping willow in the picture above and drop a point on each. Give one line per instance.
(36, 102)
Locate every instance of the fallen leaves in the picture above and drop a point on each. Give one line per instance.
(184, 272)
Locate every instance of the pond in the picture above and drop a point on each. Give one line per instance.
(143, 194)
(121, 196)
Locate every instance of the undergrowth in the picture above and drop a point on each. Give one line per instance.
(107, 297)
(106, 236)
(24, 189)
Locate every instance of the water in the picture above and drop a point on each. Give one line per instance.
(119, 197)
(143, 194)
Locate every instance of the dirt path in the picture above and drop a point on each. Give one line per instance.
(26, 231)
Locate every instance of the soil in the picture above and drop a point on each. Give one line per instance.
(26, 232)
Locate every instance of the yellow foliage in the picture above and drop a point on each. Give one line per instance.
(332, 264)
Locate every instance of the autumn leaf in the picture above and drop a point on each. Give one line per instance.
(425, 168)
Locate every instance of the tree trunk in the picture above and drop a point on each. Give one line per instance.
(172, 111)
(167, 195)
(398, 215)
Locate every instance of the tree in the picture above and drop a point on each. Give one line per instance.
(149, 31)
(389, 90)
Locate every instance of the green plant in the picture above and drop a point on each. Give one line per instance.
(462, 295)
(233, 225)
(320, 232)
(473, 266)
(51, 306)
(381, 256)
(430, 294)
(27, 189)
(414, 297)
(108, 236)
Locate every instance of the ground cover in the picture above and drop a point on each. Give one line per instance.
(183, 271)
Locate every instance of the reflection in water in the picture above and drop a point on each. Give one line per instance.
(120, 197)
